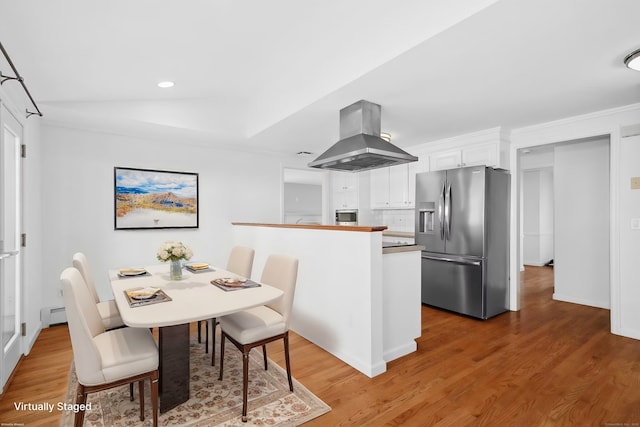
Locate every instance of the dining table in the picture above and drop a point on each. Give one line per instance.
(173, 306)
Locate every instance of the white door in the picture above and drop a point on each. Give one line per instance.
(10, 226)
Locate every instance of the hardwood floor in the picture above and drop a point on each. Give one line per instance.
(552, 363)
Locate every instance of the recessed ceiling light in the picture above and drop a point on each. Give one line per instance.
(633, 60)
(165, 84)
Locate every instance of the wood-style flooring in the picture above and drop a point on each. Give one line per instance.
(550, 364)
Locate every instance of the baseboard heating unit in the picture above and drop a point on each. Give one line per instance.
(50, 316)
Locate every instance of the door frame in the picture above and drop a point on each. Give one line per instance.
(606, 123)
(7, 367)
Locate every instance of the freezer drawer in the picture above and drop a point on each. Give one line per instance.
(454, 283)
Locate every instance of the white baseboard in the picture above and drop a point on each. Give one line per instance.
(581, 301)
(403, 350)
(31, 339)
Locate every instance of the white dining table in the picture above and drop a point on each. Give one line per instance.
(193, 298)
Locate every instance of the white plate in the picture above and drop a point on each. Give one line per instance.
(132, 272)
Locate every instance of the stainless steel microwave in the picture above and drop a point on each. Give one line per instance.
(347, 217)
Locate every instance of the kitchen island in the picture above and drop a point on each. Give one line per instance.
(353, 298)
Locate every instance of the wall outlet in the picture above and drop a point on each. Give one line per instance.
(60, 292)
(635, 182)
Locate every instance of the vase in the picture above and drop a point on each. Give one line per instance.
(176, 270)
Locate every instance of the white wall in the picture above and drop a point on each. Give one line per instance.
(630, 235)
(537, 216)
(78, 200)
(582, 223)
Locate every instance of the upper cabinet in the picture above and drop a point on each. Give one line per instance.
(394, 187)
(350, 191)
(485, 154)
(489, 148)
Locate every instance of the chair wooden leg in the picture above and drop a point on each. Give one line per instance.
(221, 356)
(81, 397)
(264, 354)
(199, 334)
(286, 358)
(131, 392)
(141, 390)
(154, 397)
(245, 382)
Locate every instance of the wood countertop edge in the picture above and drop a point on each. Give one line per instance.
(366, 229)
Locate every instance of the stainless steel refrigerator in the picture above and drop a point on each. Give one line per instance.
(462, 220)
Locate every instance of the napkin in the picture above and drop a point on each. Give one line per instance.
(198, 266)
(142, 293)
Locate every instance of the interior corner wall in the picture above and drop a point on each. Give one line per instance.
(582, 206)
(78, 200)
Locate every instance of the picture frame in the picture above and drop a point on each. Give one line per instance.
(154, 199)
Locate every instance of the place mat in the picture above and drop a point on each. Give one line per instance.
(159, 296)
(198, 270)
(128, 273)
(234, 286)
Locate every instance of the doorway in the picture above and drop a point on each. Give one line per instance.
(572, 179)
(303, 197)
(10, 236)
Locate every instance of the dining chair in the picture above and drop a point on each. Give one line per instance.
(108, 309)
(240, 262)
(106, 359)
(258, 326)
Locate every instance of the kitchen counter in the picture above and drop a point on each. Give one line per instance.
(354, 299)
(404, 234)
(362, 228)
(401, 248)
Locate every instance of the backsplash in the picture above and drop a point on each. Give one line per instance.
(396, 219)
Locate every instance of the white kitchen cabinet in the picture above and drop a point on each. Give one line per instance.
(393, 187)
(379, 188)
(345, 181)
(345, 190)
(345, 199)
(484, 154)
(399, 186)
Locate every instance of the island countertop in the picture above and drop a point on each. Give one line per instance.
(363, 228)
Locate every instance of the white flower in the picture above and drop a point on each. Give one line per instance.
(173, 251)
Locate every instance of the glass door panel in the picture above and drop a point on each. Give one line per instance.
(10, 226)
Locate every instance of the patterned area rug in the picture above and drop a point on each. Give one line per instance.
(212, 402)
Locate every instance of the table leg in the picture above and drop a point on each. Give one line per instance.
(174, 365)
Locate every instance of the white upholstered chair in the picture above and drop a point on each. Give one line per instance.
(106, 359)
(260, 325)
(240, 262)
(108, 309)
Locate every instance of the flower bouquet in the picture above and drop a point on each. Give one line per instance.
(174, 252)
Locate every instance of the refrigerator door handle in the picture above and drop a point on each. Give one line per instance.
(447, 212)
(456, 260)
(441, 204)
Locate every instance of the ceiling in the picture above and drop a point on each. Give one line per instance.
(273, 75)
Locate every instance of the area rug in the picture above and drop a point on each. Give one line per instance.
(212, 402)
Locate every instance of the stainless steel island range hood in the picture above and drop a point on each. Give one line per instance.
(360, 147)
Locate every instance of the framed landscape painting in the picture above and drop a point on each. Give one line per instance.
(146, 198)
